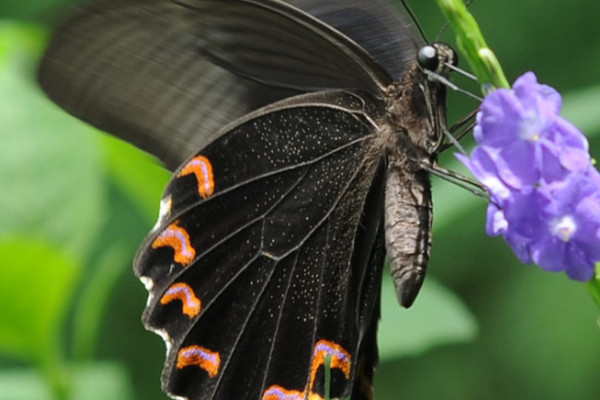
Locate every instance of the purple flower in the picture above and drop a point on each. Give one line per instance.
(544, 191)
(526, 137)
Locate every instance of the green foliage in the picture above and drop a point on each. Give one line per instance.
(144, 185)
(438, 318)
(98, 381)
(54, 211)
(55, 187)
(582, 107)
(33, 305)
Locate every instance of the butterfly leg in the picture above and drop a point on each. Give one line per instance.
(458, 179)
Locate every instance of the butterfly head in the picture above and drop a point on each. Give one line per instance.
(416, 104)
(436, 58)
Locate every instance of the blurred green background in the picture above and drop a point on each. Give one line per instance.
(76, 203)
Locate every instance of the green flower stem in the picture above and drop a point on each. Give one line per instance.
(327, 365)
(56, 374)
(594, 286)
(95, 297)
(471, 43)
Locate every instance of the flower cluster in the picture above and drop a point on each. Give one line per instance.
(545, 193)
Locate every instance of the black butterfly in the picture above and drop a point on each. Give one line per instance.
(265, 264)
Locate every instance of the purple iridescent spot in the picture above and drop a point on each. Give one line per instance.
(545, 193)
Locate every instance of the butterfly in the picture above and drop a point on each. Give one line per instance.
(300, 137)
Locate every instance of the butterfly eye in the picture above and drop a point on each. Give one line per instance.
(427, 57)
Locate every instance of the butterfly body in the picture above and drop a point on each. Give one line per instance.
(413, 127)
(265, 263)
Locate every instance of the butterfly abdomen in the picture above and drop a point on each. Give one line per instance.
(408, 220)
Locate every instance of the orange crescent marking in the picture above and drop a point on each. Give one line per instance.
(340, 358)
(203, 358)
(276, 392)
(181, 291)
(177, 238)
(202, 168)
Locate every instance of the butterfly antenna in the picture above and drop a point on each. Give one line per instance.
(445, 26)
(442, 30)
(414, 19)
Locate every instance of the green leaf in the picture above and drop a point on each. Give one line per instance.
(137, 174)
(100, 382)
(36, 284)
(20, 41)
(49, 163)
(437, 317)
(90, 382)
(94, 298)
(581, 107)
(26, 384)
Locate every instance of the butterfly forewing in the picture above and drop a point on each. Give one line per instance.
(273, 281)
(377, 27)
(151, 71)
(232, 41)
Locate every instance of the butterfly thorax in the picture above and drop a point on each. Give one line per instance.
(407, 118)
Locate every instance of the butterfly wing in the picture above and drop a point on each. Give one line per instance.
(167, 75)
(267, 256)
(379, 28)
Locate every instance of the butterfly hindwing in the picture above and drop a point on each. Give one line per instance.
(275, 263)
